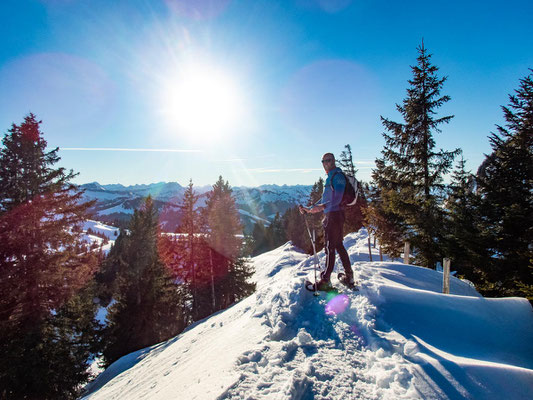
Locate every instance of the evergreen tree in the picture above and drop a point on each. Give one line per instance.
(409, 176)
(346, 161)
(383, 224)
(224, 229)
(148, 303)
(51, 360)
(267, 238)
(106, 278)
(354, 214)
(238, 280)
(27, 169)
(195, 260)
(276, 232)
(506, 187)
(294, 223)
(47, 326)
(248, 245)
(295, 230)
(464, 239)
(260, 239)
(206, 281)
(190, 225)
(189, 217)
(174, 254)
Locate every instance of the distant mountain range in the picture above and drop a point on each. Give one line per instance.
(116, 202)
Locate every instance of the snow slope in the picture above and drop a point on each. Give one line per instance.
(397, 338)
(110, 232)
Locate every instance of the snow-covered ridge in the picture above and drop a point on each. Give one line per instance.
(399, 337)
(160, 189)
(173, 190)
(254, 203)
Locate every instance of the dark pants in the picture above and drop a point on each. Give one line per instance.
(333, 224)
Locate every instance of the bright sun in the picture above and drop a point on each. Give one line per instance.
(202, 102)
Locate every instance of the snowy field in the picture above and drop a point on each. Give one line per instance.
(110, 232)
(398, 337)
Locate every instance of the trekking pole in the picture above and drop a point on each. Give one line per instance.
(314, 251)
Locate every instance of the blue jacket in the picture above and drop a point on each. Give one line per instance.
(333, 192)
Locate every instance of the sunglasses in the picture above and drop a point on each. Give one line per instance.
(327, 160)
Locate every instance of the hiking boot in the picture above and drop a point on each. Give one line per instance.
(346, 280)
(324, 285)
(349, 280)
(322, 274)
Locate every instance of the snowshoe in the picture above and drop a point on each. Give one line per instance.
(348, 282)
(321, 286)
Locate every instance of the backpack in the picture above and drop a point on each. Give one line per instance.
(351, 190)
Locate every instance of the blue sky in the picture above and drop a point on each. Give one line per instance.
(295, 79)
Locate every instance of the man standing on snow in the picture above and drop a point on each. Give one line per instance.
(333, 222)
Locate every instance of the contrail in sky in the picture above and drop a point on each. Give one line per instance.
(122, 149)
(271, 170)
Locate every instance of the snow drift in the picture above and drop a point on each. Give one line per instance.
(398, 337)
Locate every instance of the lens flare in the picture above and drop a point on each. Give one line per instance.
(337, 305)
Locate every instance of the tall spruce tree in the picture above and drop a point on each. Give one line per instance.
(384, 225)
(506, 186)
(260, 239)
(346, 161)
(269, 237)
(27, 168)
(276, 232)
(230, 272)
(194, 263)
(47, 325)
(106, 278)
(409, 175)
(174, 254)
(190, 225)
(354, 214)
(189, 216)
(148, 303)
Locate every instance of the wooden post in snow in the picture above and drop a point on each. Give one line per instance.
(446, 277)
(369, 248)
(406, 253)
(380, 254)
